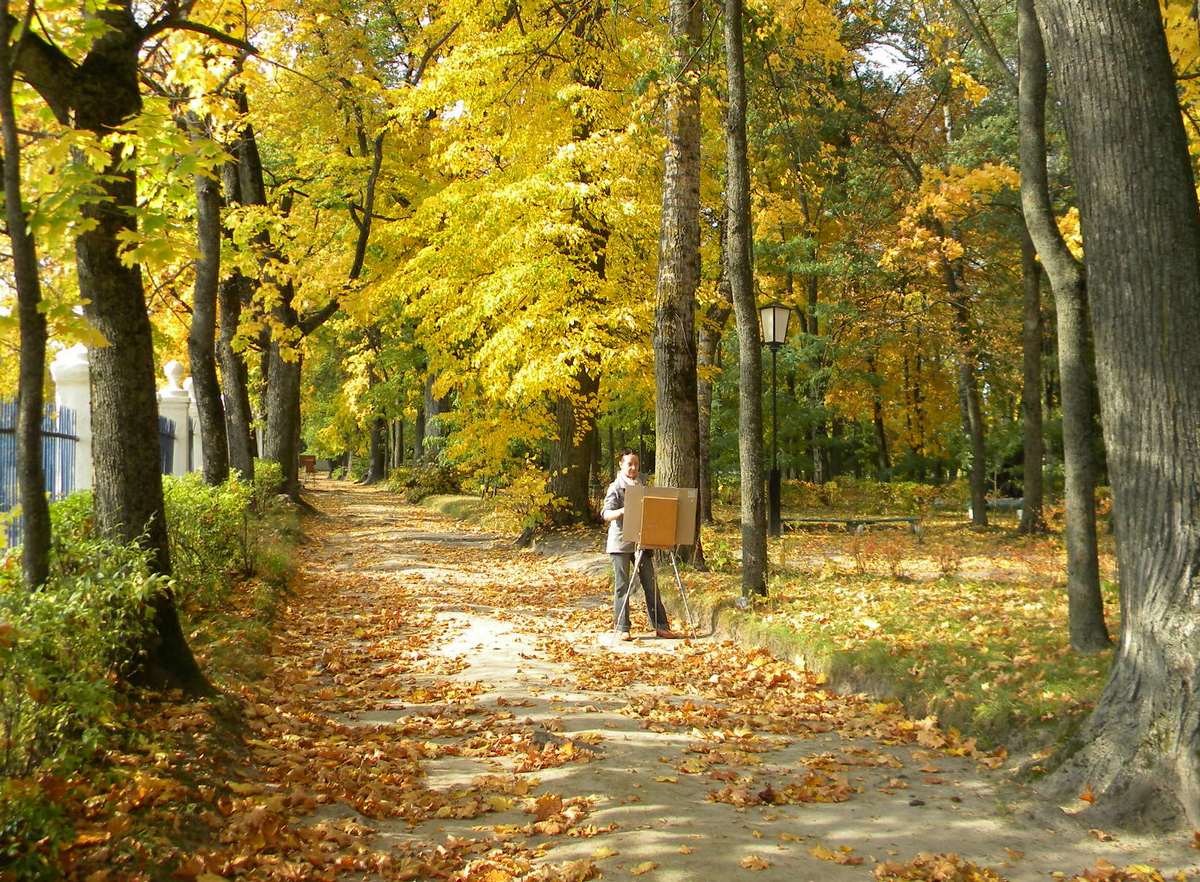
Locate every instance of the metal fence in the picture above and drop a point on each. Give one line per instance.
(58, 460)
(166, 443)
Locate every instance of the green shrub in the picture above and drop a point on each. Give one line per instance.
(268, 478)
(527, 503)
(414, 483)
(209, 532)
(62, 648)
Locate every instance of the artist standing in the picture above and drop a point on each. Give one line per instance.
(622, 553)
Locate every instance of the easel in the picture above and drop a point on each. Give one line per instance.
(660, 518)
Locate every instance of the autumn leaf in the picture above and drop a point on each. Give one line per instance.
(754, 862)
(642, 868)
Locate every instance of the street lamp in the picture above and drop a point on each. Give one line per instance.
(773, 323)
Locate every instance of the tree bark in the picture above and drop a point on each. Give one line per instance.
(677, 421)
(99, 95)
(433, 438)
(1141, 224)
(202, 332)
(233, 293)
(1032, 520)
(35, 508)
(282, 399)
(377, 470)
(968, 393)
(741, 281)
(1088, 632)
(571, 453)
(708, 356)
(883, 461)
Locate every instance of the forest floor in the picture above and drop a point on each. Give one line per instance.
(436, 704)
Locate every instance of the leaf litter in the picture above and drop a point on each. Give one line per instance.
(360, 698)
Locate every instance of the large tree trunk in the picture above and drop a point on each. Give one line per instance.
(707, 359)
(883, 461)
(571, 452)
(1031, 390)
(377, 470)
(1088, 632)
(282, 400)
(433, 438)
(233, 293)
(970, 405)
(103, 94)
(202, 332)
(677, 422)
(740, 238)
(708, 351)
(1141, 225)
(35, 509)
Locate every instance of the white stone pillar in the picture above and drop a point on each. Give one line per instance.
(194, 415)
(173, 404)
(72, 389)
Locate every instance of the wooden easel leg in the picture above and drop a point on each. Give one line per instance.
(633, 574)
(682, 593)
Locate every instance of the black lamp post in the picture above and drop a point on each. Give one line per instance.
(773, 323)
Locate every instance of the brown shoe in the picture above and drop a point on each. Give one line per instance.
(624, 636)
(668, 634)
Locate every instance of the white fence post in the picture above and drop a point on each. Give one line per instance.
(173, 404)
(71, 372)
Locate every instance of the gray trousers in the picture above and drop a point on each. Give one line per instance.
(621, 563)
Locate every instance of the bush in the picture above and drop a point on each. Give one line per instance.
(62, 648)
(268, 478)
(209, 532)
(414, 483)
(527, 503)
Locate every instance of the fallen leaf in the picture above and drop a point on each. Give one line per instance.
(754, 862)
(642, 868)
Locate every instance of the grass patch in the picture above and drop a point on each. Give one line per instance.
(463, 508)
(968, 625)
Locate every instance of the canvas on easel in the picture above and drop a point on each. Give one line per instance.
(687, 500)
(659, 517)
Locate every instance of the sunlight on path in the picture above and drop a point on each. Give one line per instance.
(451, 710)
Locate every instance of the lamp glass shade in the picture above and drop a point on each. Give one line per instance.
(773, 322)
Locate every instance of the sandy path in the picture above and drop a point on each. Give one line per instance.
(498, 661)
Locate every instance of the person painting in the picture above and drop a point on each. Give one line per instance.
(622, 553)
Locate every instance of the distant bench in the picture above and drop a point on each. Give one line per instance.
(851, 524)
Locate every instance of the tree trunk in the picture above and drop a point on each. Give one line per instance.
(571, 451)
(883, 461)
(35, 509)
(434, 436)
(1137, 200)
(377, 470)
(740, 237)
(202, 332)
(1031, 390)
(419, 434)
(968, 394)
(708, 352)
(1088, 632)
(100, 95)
(282, 400)
(677, 422)
(232, 293)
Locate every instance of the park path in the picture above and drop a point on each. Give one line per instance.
(443, 706)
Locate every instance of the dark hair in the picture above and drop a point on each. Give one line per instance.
(626, 451)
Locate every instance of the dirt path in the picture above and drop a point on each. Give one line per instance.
(444, 706)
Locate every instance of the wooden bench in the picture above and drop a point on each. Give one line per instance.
(851, 524)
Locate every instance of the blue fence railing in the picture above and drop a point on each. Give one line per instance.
(58, 459)
(166, 444)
